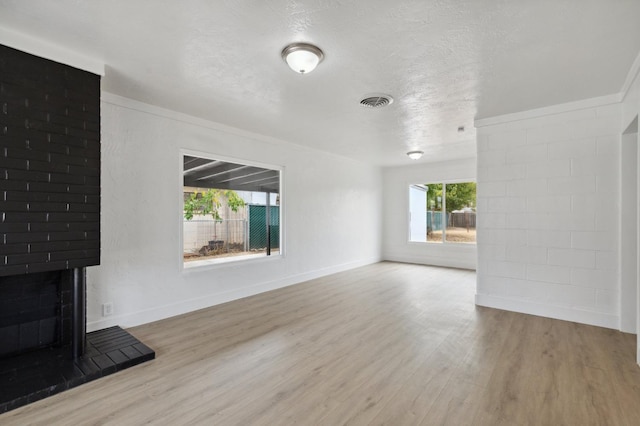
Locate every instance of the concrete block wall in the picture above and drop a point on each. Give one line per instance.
(548, 213)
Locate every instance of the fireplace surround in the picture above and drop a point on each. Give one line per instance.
(50, 231)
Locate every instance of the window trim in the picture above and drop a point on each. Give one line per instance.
(194, 266)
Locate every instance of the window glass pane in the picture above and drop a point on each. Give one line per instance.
(460, 212)
(230, 211)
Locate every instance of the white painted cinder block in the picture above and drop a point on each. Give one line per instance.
(493, 220)
(502, 173)
(506, 205)
(528, 154)
(553, 133)
(493, 252)
(586, 166)
(550, 168)
(494, 158)
(594, 278)
(572, 257)
(507, 140)
(482, 144)
(572, 185)
(584, 202)
(573, 149)
(516, 221)
(549, 273)
(564, 221)
(527, 254)
(493, 189)
(606, 184)
(593, 240)
(506, 269)
(608, 300)
(607, 260)
(503, 236)
(557, 239)
(605, 221)
(608, 146)
(529, 187)
(549, 203)
(558, 194)
(573, 296)
(600, 127)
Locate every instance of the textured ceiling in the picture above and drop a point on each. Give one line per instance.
(446, 63)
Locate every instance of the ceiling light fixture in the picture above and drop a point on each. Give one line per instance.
(302, 57)
(415, 155)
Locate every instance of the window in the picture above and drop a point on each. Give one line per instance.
(230, 211)
(442, 212)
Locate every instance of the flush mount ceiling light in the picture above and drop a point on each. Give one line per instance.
(414, 155)
(302, 57)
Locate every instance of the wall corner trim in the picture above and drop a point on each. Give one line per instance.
(54, 52)
(550, 110)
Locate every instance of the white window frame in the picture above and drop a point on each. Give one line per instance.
(444, 183)
(226, 261)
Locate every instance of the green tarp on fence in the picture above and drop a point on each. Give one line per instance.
(258, 227)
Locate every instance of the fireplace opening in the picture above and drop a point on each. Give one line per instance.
(34, 309)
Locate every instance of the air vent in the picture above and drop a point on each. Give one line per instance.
(376, 101)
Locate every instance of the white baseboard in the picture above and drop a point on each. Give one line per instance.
(166, 311)
(431, 261)
(550, 311)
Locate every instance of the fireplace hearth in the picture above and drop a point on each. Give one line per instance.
(35, 375)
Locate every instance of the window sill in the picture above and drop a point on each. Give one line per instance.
(441, 244)
(200, 265)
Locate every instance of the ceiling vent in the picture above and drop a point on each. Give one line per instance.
(376, 101)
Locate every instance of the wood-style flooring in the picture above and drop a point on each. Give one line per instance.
(386, 344)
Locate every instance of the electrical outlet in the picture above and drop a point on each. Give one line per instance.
(107, 309)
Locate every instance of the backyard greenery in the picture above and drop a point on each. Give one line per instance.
(458, 196)
(209, 202)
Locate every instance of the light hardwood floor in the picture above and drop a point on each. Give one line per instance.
(390, 344)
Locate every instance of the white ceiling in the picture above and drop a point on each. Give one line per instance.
(446, 62)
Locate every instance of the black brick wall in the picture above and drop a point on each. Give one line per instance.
(49, 165)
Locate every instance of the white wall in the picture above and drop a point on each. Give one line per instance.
(331, 213)
(548, 213)
(396, 214)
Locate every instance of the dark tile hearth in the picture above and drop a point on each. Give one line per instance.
(35, 375)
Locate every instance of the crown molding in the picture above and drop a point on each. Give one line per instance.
(50, 51)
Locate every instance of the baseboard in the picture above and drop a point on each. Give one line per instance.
(166, 311)
(431, 261)
(550, 311)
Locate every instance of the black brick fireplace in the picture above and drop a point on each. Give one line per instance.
(50, 231)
